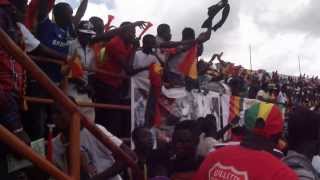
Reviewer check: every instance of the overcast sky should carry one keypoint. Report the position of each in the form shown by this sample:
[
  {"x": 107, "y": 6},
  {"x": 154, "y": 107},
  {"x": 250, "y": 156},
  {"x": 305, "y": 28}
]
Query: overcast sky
[{"x": 278, "y": 30}]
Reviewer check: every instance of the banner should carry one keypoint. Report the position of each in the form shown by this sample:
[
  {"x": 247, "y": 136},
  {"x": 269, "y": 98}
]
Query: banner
[{"x": 190, "y": 106}]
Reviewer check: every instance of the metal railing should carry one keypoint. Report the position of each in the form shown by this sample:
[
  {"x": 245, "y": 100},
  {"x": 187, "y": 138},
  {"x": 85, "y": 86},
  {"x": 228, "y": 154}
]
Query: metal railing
[{"x": 74, "y": 149}]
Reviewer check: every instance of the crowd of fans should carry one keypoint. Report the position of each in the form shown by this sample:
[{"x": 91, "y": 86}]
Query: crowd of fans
[{"x": 98, "y": 61}]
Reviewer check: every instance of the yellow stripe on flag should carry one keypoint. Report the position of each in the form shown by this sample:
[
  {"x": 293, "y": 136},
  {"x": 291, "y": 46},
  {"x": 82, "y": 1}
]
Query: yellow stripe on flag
[
  {"x": 264, "y": 110},
  {"x": 193, "y": 73}
]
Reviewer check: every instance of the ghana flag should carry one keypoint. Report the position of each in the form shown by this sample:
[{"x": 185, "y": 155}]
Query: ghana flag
[
  {"x": 188, "y": 66},
  {"x": 271, "y": 116}
]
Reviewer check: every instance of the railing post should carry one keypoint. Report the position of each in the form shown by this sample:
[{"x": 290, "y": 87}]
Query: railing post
[
  {"x": 74, "y": 147},
  {"x": 22, "y": 149}
]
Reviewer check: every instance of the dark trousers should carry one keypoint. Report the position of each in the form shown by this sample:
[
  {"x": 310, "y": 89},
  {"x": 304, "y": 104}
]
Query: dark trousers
[
  {"x": 110, "y": 119},
  {"x": 36, "y": 118}
]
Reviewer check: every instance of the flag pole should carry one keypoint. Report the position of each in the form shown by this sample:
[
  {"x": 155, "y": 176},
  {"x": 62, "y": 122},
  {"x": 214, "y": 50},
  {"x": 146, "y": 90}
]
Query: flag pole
[
  {"x": 250, "y": 57},
  {"x": 299, "y": 61}
]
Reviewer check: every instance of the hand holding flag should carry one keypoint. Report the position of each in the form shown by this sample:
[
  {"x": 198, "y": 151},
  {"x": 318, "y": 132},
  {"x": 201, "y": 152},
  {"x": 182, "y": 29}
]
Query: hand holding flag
[
  {"x": 146, "y": 28},
  {"x": 107, "y": 27}
]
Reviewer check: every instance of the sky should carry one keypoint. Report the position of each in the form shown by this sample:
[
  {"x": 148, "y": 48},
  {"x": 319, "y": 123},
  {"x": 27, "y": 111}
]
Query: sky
[{"x": 279, "y": 31}]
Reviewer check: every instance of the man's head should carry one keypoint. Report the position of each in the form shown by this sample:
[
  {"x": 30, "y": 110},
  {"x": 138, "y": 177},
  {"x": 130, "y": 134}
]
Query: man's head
[
  {"x": 164, "y": 32},
  {"x": 60, "y": 117},
  {"x": 264, "y": 119},
  {"x": 142, "y": 139},
  {"x": 149, "y": 41},
  {"x": 85, "y": 32},
  {"x": 185, "y": 139},
  {"x": 62, "y": 13},
  {"x": 128, "y": 33},
  {"x": 98, "y": 24},
  {"x": 19, "y": 9},
  {"x": 265, "y": 87},
  {"x": 208, "y": 125},
  {"x": 235, "y": 84},
  {"x": 188, "y": 34}
]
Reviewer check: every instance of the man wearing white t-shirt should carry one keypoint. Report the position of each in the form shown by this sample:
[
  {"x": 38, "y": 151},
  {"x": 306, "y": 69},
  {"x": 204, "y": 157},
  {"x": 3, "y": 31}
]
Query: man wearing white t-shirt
[
  {"x": 97, "y": 162},
  {"x": 144, "y": 58}
]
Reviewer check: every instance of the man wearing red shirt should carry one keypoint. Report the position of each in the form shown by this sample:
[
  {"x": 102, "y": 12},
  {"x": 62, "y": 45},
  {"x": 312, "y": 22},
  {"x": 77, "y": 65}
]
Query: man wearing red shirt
[
  {"x": 119, "y": 54},
  {"x": 253, "y": 159}
]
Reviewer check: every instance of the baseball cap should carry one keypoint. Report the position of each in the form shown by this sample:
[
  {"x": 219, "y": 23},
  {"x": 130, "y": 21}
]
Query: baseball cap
[
  {"x": 264, "y": 119},
  {"x": 86, "y": 27}
]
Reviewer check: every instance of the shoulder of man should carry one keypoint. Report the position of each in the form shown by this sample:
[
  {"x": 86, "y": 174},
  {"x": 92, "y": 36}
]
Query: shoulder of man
[{"x": 301, "y": 165}]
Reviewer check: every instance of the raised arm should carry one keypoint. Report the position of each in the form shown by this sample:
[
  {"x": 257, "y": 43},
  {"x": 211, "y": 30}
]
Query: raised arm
[
  {"x": 107, "y": 36},
  {"x": 80, "y": 12},
  {"x": 45, "y": 51},
  {"x": 43, "y": 9},
  {"x": 128, "y": 68},
  {"x": 203, "y": 37}
]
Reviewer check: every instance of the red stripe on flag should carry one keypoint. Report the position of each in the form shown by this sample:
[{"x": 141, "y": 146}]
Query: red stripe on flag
[
  {"x": 189, "y": 60},
  {"x": 31, "y": 19},
  {"x": 234, "y": 107}
]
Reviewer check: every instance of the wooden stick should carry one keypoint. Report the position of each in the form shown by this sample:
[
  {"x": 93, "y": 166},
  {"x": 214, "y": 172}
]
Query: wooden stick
[
  {"x": 22, "y": 149},
  {"x": 83, "y": 104},
  {"x": 61, "y": 63},
  {"x": 74, "y": 147}
]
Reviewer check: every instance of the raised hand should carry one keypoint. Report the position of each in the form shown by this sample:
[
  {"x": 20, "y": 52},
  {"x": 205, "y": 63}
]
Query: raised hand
[
  {"x": 203, "y": 37},
  {"x": 140, "y": 24}
]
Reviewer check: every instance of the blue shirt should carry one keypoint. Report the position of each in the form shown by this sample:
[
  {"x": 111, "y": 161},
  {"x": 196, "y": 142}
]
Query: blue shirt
[{"x": 56, "y": 38}]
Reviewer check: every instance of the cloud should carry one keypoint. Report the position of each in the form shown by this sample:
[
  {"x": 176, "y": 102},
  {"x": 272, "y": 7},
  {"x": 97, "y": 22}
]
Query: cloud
[
  {"x": 278, "y": 31},
  {"x": 109, "y": 4}
]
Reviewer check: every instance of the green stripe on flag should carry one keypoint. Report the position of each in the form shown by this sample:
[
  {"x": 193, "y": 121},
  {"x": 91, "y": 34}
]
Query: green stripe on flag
[{"x": 250, "y": 116}]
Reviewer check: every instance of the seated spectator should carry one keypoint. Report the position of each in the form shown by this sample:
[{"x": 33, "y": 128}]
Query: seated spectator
[
  {"x": 185, "y": 140},
  {"x": 208, "y": 135},
  {"x": 303, "y": 139},
  {"x": 151, "y": 162},
  {"x": 240, "y": 162},
  {"x": 97, "y": 162}
]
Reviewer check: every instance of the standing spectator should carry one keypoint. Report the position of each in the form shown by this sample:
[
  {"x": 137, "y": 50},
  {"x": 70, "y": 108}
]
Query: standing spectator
[
  {"x": 57, "y": 35},
  {"x": 144, "y": 58},
  {"x": 83, "y": 54},
  {"x": 11, "y": 78},
  {"x": 163, "y": 35},
  {"x": 98, "y": 25},
  {"x": 118, "y": 60}
]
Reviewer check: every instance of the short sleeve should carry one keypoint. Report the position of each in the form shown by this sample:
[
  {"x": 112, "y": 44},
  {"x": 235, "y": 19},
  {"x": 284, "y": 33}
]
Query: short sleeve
[
  {"x": 30, "y": 41},
  {"x": 114, "y": 139},
  {"x": 44, "y": 28},
  {"x": 72, "y": 48}
]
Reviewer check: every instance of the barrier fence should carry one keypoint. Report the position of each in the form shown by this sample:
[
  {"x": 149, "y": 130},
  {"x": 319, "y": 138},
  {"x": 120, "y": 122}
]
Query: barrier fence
[{"x": 74, "y": 149}]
